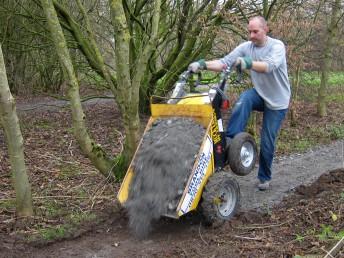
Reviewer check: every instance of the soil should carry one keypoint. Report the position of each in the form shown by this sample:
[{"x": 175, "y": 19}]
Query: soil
[
  {"x": 161, "y": 170},
  {"x": 303, "y": 212}
]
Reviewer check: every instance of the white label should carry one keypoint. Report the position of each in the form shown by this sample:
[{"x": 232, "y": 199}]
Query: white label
[{"x": 198, "y": 176}]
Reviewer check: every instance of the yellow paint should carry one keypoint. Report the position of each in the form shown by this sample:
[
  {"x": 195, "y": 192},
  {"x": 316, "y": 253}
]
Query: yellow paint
[
  {"x": 124, "y": 190},
  {"x": 200, "y": 112},
  {"x": 194, "y": 99},
  {"x": 215, "y": 133}
]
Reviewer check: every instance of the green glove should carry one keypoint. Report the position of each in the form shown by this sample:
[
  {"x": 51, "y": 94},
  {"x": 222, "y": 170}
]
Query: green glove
[
  {"x": 243, "y": 63},
  {"x": 203, "y": 65},
  {"x": 196, "y": 66}
]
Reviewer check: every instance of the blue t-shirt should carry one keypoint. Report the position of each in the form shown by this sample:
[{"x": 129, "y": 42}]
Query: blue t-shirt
[{"x": 273, "y": 86}]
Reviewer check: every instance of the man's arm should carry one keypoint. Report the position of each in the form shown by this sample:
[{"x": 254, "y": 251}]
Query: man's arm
[
  {"x": 260, "y": 66},
  {"x": 275, "y": 58},
  {"x": 215, "y": 65}
]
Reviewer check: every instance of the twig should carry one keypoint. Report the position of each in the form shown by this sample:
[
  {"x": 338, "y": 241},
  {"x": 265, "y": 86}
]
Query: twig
[
  {"x": 334, "y": 251},
  {"x": 69, "y": 196},
  {"x": 50, "y": 156},
  {"x": 199, "y": 232},
  {"x": 249, "y": 238},
  {"x": 8, "y": 220},
  {"x": 60, "y": 197},
  {"x": 310, "y": 217},
  {"x": 185, "y": 253},
  {"x": 80, "y": 185},
  {"x": 95, "y": 196},
  {"x": 69, "y": 148},
  {"x": 328, "y": 255},
  {"x": 264, "y": 226},
  {"x": 105, "y": 181},
  {"x": 32, "y": 217},
  {"x": 45, "y": 170},
  {"x": 42, "y": 105}
]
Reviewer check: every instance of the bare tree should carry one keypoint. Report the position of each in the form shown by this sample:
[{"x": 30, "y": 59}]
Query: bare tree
[
  {"x": 10, "y": 123},
  {"x": 30, "y": 61},
  {"x": 93, "y": 151},
  {"x": 326, "y": 55}
]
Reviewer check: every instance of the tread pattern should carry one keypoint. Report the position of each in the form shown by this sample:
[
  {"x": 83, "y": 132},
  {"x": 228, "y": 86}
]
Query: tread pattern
[
  {"x": 234, "y": 154},
  {"x": 209, "y": 207}
]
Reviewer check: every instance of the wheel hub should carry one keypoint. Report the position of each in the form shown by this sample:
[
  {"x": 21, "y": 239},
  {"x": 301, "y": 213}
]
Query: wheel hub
[
  {"x": 227, "y": 201},
  {"x": 247, "y": 154}
]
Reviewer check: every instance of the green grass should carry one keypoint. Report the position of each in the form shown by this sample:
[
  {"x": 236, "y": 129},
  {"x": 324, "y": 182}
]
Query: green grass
[
  {"x": 327, "y": 232},
  {"x": 336, "y": 97},
  {"x": 299, "y": 238},
  {"x": 313, "y": 79},
  {"x": 310, "y": 83},
  {"x": 77, "y": 218},
  {"x": 69, "y": 224},
  {"x": 336, "y": 132},
  {"x": 289, "y": 146},
  {"x": 300, "y": 141},
  {"x": 7, "y": 204},
  {"x": 44, "y": 124},
  {"x": 51, "y": 209},
  {"x": 53, "y": 232}
]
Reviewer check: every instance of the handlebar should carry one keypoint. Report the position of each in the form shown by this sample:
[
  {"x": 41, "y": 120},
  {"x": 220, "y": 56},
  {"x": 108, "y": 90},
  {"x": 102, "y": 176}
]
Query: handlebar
[{"x": 179, "y": 91}]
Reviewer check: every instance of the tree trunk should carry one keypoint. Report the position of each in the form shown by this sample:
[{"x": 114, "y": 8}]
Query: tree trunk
[
  {"x": 322, "y": 105},
  {"x": 10, "y": 122},
  {"x": 327, "y": 58},
  {"x": 296, "y": 86},
  {"x": 92, "y": 150},
  {"x": 129, "y": 83}
]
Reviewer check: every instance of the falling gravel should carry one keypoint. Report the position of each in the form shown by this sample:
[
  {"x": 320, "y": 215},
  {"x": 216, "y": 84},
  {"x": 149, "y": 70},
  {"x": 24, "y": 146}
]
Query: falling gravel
[{"x": 161, "y": 169}]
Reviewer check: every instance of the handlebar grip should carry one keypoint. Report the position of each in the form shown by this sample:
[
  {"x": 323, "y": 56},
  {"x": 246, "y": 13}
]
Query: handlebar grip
[
  {"x": 239, "y": 74},
  {"x": 199, "y": 78}
]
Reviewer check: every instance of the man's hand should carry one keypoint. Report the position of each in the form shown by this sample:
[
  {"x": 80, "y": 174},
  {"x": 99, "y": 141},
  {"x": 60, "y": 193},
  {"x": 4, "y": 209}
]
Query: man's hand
[
  {"x": 243, "y": 63},
  {"x": 195, "y": 67}
]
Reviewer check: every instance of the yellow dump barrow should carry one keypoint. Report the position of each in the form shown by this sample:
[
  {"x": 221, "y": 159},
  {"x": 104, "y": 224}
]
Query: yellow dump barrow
[{"x": 204, "y": 164}]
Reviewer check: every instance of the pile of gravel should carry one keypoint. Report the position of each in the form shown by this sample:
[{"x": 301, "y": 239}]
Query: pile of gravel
[{"x": 161, "y": 169}]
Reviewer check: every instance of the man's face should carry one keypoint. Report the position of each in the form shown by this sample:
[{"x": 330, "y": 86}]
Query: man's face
[{"x": 257, "y": 32}]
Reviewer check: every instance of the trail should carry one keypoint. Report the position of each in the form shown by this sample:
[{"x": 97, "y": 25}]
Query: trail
[{"x": 290, "y": 172}]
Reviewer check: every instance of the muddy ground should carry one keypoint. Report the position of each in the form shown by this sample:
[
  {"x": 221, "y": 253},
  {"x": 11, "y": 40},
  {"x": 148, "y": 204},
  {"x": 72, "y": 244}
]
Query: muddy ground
[{"x": 301, "y": 214}]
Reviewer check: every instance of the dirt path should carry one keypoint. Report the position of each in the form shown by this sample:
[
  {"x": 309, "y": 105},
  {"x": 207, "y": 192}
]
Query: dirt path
[
  {"x": 49, "y": 104},
  {"x": 170, "y": 236},
  {"x": 290, "y": 172}
]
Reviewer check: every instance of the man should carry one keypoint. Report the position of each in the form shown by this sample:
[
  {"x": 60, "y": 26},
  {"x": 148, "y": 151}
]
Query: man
[{"x": 265, "y": 57}]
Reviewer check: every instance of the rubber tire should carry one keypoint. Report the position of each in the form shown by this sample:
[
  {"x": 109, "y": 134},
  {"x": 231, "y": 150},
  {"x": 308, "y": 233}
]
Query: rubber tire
[
  {"x": 234, "y": 154},
  {"x": 212, "y": 190}
]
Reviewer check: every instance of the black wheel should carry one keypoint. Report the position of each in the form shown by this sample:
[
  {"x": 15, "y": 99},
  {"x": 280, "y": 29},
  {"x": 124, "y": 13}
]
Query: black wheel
[
  {"x": 242, "y": 154},
  {"x": 220, "y": 198}
]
